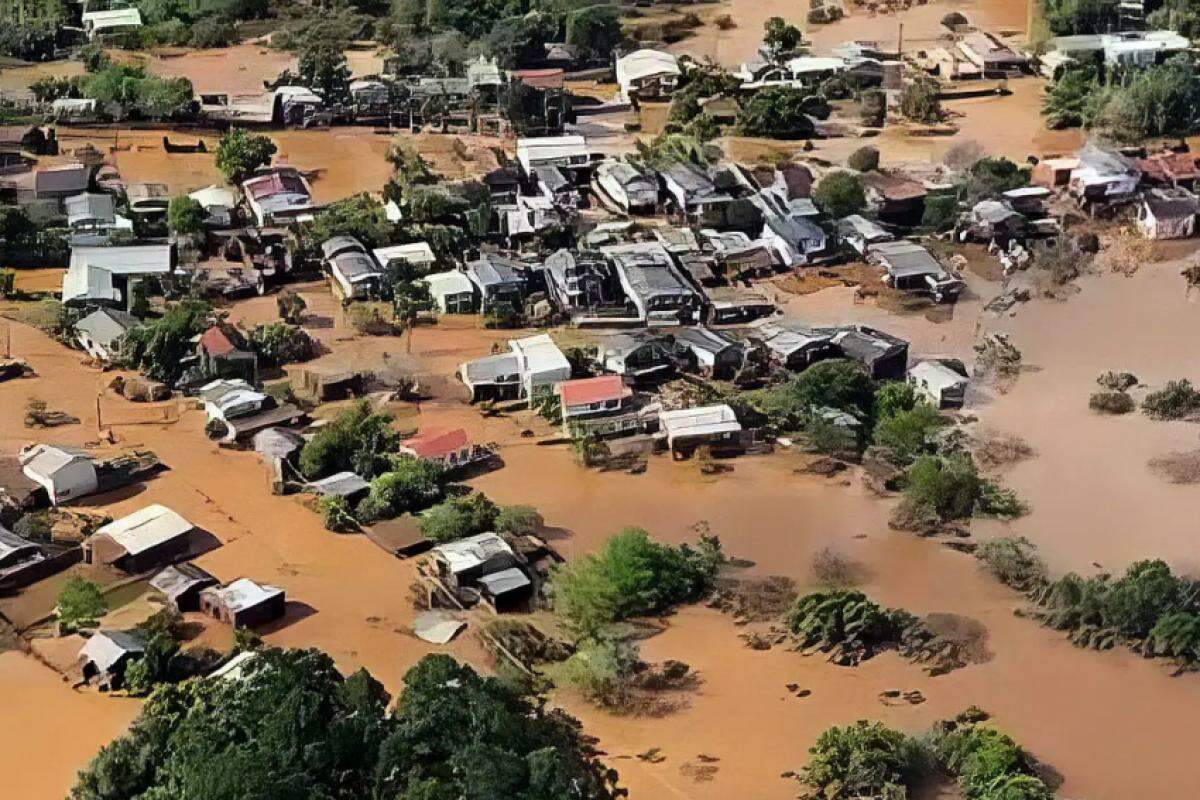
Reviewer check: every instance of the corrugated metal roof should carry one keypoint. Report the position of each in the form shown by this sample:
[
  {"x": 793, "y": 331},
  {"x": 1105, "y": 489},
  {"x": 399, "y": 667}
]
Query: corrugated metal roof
[{"x": 146, "y": 529}]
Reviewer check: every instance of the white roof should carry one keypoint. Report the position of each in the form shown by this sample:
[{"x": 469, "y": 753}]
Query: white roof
[
  {"x": 1027, "y": 191},
  {"x": 539, "y": 354},
  {"x": 244, "y": 593},
  {"x": 234, "y": 669},
  {"x": 106, "y": 648},
  {"x": 936, "y": 374},
  {"x": 807, "y": 64},
  {"x": 88, "y": 283},
  {"x": 550, "y": 148},
  {"x": 472, "y": 551},
  {"x": 701, "y": 421},
  {"x": 452, "y": 282},
  {"x": 414, "y": 253},
  {"x": 145, "y": 259},
  {"x": 645, "y": 64},
  {"x": 46, "y": 459},
  {"x": 11, "y": 543},
  {"x": 115, "y": 18},
  {"x": 214, "y": 197},
  {"x": 147, "y": 528}
]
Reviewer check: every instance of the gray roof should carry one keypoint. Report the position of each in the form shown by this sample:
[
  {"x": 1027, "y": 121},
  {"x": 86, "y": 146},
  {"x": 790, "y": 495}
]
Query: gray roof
[
  {"x": 338, "y": 244},
  {"x": 179, "y": 578},
  {"x": 278, "y": 442},
  {"x": 489, "y": 368},
  {"x": 60, "y": 180},
  {"x": 504, "y": 581},
  {"x": 904, "y": 259},
  {"x": 105, "y": 326},
  {"x": 867, "y": 344},
  {"x": 494, "y": 270},
  {"x": 691, "y": 179},
  {"x": 11, "y": 544},
  {"x": 343, "y": 484},
  {"x": 106, "y": 648},
  {"x": 552, "y": 178},
  {"x": 796, "y": 230},
  {"x": 701, "y": 338},
  {"x": 88, "y": 207}
]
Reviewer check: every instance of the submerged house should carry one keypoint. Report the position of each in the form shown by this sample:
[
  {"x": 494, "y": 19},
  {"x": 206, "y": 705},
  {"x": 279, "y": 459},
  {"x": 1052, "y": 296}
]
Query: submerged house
[
  {"x": 885, "y": 357},
  {"x": 450, "y": 450},
  {"x": 647, "y": 74},
  {"x": 709, "y": 353},
  {"x": 568, "y": 153},
  {"x": 911, "y": 267},
  {"x": 107, "y": 654},
  {"x": 243, "y": 603},
  {"x": 941, "y": 382},
  {"x": 894, "y": 197},
  {"x": 453, "y": 292},
  {"x": 352, "y": 270},
  {"x": 224, "y": 353},
  {"x": 532, "y": 364},
  {"x": 577, "y": 280},
  {"x": 181, "y": 585},
  {"x": 64, "y": 473},
  {"x": 278, "y": 197},
  {"x": 652, "y": 284},
  {"x": 626, "y": 187},
  {"x": 637, "y": 356},
  {"x": 1167, "y": 214},
  {"x": 990, "y": 55},
  {"x": 601, "y": 406},
  {"x": 153, "y": 535},
  {"x": 861, "y": 233},
  {"x": 499, "y": 281},
  {"x": 689, "y": 428},
  {"x": 692, "y": 192},
  {"x": 115, "y": 21},
  {"x": 1103, "y": 176},
  {"x": 60, "y": 182},
  {"x": 487, "y": 564},
  {"x": 102, "y": 332},
  {"x": 791, "y": 344},
  {"x": 795, "y": 241},
  {"x": 94, "y": 213}
]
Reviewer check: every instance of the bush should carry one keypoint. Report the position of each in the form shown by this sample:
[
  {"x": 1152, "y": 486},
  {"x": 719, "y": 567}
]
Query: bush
[
  {"x": 278, "y": 343},
  {"x": 335, "y": 512},
  {"x": 864, "y": 159},
  {"x": 866, "y": 759},
  {"x": 458, "y": 518},
  {"x": 240, "y": 153},
  {"x": 949, "y": 486},
  {"x": 600, "y": 670},
  {"x": 919, "y": 100},
  {"x": 873, "y": 108},
  {"x": 158, "y": 347},
  {"x": 828, "y": 438},
  {"x": 186, "y": 216},
  {"x": 213, "y": 32},
  {"x": 1111, "y": 403},
  {"x": 941, "y": 212},
  {"x": 358, "y": 440},
  {"x": 908, "y": 433},
  {"x": 845, "y": 619},
  {"x": 777, "y": 112},
  {"x": 80, "y": 602},
  {"x": 1013, "y": 560},
  {"x": 1177, "y": 400},
  {"x": 409, "y": 485},
  {"x": 630, "y": 576},
  {"x": 989, "y": 765},
  {"x": 840, "y": 194},
  {"x": 519, "y": 520}
]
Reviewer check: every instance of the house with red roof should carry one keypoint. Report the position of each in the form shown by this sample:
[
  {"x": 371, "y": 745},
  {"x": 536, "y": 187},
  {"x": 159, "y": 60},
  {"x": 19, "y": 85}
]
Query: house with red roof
[
  {"x": 223, "y": 353},
  {"x": 600, "y": 406},
  {"x": 451, "y": 449}
]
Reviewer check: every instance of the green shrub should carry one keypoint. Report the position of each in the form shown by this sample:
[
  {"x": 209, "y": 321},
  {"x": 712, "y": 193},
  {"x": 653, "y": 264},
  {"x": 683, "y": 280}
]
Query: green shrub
[
  {"x": 357, "y": 440},
  {"x": 80, "y": 602},
  {"x": 519, "y": 520},
  {"x": 410, "y": 484},
  {"x": 949, "y": 486},
  {"x": 1177, "y": 400},
  {"x": 458, "y": 518},
  {"x": 907, "y": 433},
  {"x": 1111, "y": 403},
  {"x": 866, "y": 759},
  {"x": 1013, "y": 561},
  {"x": 600, "y": 670},
  {"x": 840, "y": 194},
  {"x": 845, "y": 618},
  {"x": 630, "y": 576},
  {"x": 278, "y": 343},
  {"x": 335, "y": 512},
  {"x": 864, "y": 159}
]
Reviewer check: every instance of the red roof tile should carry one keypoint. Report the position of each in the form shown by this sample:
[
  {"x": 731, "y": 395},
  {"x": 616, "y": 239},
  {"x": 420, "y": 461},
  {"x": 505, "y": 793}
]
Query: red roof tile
[
  {"x": 437, "y": 445},
  {"x": 216, "y": 342},
  {"x": 541, "y": 78},
  {"x": 592, "y": 390}
]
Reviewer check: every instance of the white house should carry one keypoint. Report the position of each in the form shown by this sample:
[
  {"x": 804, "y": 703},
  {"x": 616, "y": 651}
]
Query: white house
[
  {"x": 65, "y": 474},
  {"x": 630, "y": 189},
  {"x": 117, "y": 20},
  {"x": 101, "y": 332},
  {"x": 569, "y": 152},
  {"x": 417, "y": 254},
  {"x": 151, "y": 536},
  {"x": 218, "y": 202},
  {"x": 453, "y": 291},
  {"x": 647, "y": 74},
  {"x": 943, "y": 384},
  {"x": 696, "y": 425},
  {"x": 532, "y": 364},
  {"x": 90, "y": 276}
]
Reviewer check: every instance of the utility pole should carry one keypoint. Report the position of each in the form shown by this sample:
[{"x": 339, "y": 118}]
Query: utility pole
[{"x": 900, "y": 42}]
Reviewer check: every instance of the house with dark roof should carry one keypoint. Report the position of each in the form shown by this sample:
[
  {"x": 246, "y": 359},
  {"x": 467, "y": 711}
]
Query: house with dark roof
[
  {"x": 653, "y": 285},
  {"x": 181, "y": 585},
  {"x": 499, "y": 280},
  {"x": 795, "y": 241},
  {"x": 352, "y": 270},
  {"x": 708, "y": 353},
  {"x": 1167, "y": 213},
  {"x": 59, "y": 183},
  {"x": 638, "y": 356},
  {"x": 884, "y": 356},
  {"x": 894, "y": 197}
]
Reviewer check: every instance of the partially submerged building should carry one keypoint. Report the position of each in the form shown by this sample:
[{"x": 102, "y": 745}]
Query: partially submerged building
[
  {"x": 709, "y": 353},
  {"x": 910, "y": 267},
  {"x": 883, "y": 356},
  {"x": 106, "y": 655},
  {"x": 451, "y": 450},
  {"x": 600, "y": 406},
  {"x": 499, "y": 281},
  {"x": 181, "y": 584},
  {"x": 487, "y": 564},
  {"x": 278, "y": 197},
  {"x": 111, "y": 22},
  {"x": 688, "y": 428},
  {"x": 65, "y": 474},
  {"x": 637, "y": 355},
  {"x": 453, "y": 292},
  {"x": 151, "y": 536},
  {"x": 647, "y": 74},
  {"x": 243, "y": 603},
  {"x": 627, "y": 188},
  {"x": 652, "y": 284},
  {"x": 101, "y": 275},
  {"x": 941, "y": 382},
  {"x": 102, "y": 332},
  {"x": 352, "y": 270},
  {"x": 1167, "y": 213},
  {"x": 533, "y": 364}
]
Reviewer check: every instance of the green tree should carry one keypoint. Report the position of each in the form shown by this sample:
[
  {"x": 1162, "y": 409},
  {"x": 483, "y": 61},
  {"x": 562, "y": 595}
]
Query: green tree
[
  {"x": 595, "y": 29},
  {"x": 861, "y": 760},
  {"x": 919, "y": 100},
  {"x": 410, "y": 484},
  {"x": 1072, "y": 17},
  {"x": 459, "y": 517},
  {"x": 778, "y": 112},
  {"x": 278, "y": 343},
  {"x": 519, "y": 520},
  {"x": 892, "y": 397},
  {"x": 840, "y": 194},
  {"x": 186, "y": 216},
  {"x": 1067, "y": 101},
  {"x": 781, "y": 37},
  {"x": 864, "y": 159},
  {"x": 907, "y": 434},
  {"x": 240, "y": 153},
  {"x": 323, "y": 69},
  {"x": 159, "y": 347},
  {"x": 948, "y": 486},
  {"x": 358, "y": 440},
  {"x": 80, "y": 602},
  {"x": 359, "y": 216}
]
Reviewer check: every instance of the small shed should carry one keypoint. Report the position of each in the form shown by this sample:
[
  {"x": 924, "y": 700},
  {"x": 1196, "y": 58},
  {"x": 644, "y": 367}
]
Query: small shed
[
  {"x": 153, "y": 535},
  {"x": 341, "y": 484},
  {"x": 465, "y": 561},
  {"x": 66, "y": 474},
  {"x": 106, "y": 654},
  {"x": 101, "y": 332},
  {"x": 506, "y": 590},
  {"x": 181, "y": 585},
  {"x": 244, "y": 603},
  {"x": 453, "y": 292},
  {"x": 710, "y": 353},
  {"x": 941, "y": 382}
]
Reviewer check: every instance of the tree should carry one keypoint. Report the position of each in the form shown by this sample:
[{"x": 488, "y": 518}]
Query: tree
[
  {"x": 893, "y": 397},
  {"x": 907, "y": 433},
  {"x": 213, "y": 31},
  {"x": 458, "y": 518},
  {"x": 864, "y": 159},
  {"x": 291, "y": 307},
  {"x": 80, "y": 602},
  {"x": 595, "y": 29},
  {"x": 1067, "y": 101},
  {"x": 919, "y": 100},
  {"x": 840, "y": 194},
  {"x": 861, "y": 760},
  {"x": 240, "y": 153},
  {"x": 629, "y": 576},
  {"x": 158, "y": 348},
  {"x": 359, "y": 216},
  {"x": 409, "y": 485},
  {"x": 519, "y": 520},
  {"x": 358, "y": 440},
  {"x": 323, "y": 69},
  {"x": 778, "y": 112},
  {"x": 185, "y": 216},
  {"x": 948, "y": 486},
  {"x": 781, "y": 38},
  {"x": 1071, "y": 17},
  {"x": 278, "y": 343},
  {"x": 1159, "y": 100}
]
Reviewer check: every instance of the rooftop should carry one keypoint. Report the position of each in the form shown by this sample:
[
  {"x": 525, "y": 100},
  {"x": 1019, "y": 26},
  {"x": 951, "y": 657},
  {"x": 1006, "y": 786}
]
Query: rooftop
[
  {"x": 437, "y": 445},
  {"x": 244, "y": 593},
  {"x": 146, "y": 529},
  {"x": 593, "y": 390}
]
